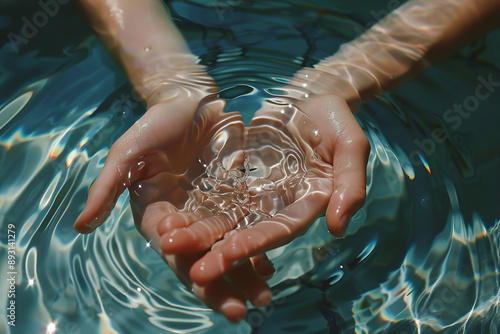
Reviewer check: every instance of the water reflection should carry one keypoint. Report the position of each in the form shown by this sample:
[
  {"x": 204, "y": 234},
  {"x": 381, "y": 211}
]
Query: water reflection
[
  {"x": 421, "y": 255},
  {"x": 270, "y": 170}
]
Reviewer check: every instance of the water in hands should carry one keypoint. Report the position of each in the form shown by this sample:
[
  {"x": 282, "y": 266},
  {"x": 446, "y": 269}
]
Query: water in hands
[{"x": 254, "y": 191}]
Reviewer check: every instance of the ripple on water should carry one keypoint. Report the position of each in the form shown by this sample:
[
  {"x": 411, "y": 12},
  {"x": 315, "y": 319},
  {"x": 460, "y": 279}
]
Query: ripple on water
[
  {"x": 403, "y": 265},
  {"x": 259, "y": 177}
]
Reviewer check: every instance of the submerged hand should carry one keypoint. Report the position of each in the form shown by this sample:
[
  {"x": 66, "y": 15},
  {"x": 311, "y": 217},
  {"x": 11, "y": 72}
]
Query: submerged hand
[
  {"x": 346, "y": 148},
  {"x": 158, "y": 160},
  {"x": 299, "y": 165}
]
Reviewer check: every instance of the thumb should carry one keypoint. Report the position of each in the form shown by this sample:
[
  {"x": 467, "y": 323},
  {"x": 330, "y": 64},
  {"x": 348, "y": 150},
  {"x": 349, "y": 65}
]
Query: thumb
[
  {"x": 349, "y": 162},
  {"x": 124, "y": 165}
]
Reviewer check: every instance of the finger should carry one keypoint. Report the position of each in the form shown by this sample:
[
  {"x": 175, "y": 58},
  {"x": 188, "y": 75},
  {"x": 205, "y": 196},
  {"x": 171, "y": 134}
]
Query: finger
[
  {"x": 148, "y": 223},
  {"x": 349, "y": 163},
  {"x": 263, "y": 266},
  {"x": 176, "y": 220},
  {"x": 247, "y": 280},
  {"x": 201, "y": 235},
  {"x": 161, "y": 218},
  {"x": 220, "y": 295},
  {"x": 119, "y": 172},
  {"x": 223, "y": 298},
  {"x": 286, "y": 225},
  {"x": 260, "y": 262}
]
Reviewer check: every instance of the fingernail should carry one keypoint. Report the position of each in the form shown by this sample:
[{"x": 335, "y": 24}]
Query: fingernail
[
  {"x": 90, "y": 226},
  {"x": 93, "y": 224},
  {"x": 233, "y": 310},
  {"x": 263, "y": 299}
]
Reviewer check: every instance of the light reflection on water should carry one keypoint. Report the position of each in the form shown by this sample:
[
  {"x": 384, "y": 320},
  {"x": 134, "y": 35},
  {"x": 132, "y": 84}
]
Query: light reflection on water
[{"x": 421, "y": 256}]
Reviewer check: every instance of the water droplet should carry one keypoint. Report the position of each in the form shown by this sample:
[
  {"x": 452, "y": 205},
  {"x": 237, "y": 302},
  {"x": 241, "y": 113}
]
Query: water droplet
[
  {"x": 140, "y": 165},
  {"x": 170, "y": 240},
  {"x": 139, "y": 289},
  {"x": 304, "y": 85},
  {"x": 51, "y": 328},
  {"x": 316, "y": 133},
  {"x": 306, "y": 96},
  {"x": 147, "y": 49}
]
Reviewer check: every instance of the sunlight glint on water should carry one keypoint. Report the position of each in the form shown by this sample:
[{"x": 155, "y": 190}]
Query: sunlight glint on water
[{"x": 422, "y": 256}]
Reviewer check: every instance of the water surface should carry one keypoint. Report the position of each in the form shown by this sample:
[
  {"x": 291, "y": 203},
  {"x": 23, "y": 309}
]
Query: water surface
[{"x": 422, "y": 256}]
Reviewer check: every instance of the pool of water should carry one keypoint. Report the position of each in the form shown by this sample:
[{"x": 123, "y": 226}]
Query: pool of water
[{"x": 422, "y": 256}]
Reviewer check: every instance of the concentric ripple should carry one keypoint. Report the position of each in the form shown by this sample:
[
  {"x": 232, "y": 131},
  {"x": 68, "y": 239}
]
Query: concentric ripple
[
  {"x": 421, "y": 256},
  {"x": 259, "y": 177}
]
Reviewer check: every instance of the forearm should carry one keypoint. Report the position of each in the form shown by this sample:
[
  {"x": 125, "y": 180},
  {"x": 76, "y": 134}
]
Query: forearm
[
  {"x": 397, "y": 48},
  {"x": 146, "y": 44}
]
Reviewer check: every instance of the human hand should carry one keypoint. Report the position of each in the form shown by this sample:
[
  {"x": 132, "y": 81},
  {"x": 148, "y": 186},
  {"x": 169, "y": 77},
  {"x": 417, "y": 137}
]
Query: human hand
[
  {"x": 157, "y": 160},
  {"x": 298, "y": 165}
]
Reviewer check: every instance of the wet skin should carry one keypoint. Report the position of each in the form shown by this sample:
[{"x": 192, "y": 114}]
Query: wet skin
[{"x": 220, "y": 253}]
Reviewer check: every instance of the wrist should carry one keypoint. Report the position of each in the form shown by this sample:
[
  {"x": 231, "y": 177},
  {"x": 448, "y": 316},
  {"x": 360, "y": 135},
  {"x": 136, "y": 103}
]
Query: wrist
[
  {"x": 382, "y": 58},
  {"x": 172, "y": 77},
  {"x": 347, "y": 81}
]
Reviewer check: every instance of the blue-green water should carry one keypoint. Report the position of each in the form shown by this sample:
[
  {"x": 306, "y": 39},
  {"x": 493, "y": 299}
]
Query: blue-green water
[{"x": 422, "y": 256}]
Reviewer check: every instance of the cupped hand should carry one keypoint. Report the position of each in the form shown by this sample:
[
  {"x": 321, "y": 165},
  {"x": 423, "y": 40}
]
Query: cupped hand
[
  {"x": 298, "y": 164},
  {"x": 159, "y": 160}
]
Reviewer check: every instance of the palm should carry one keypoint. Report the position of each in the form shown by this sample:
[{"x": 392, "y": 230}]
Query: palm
[{"x": 284, "y": 178}]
